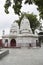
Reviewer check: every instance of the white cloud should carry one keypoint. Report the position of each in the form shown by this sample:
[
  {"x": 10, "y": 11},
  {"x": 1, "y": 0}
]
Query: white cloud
[{"x": 30, "y": 8}]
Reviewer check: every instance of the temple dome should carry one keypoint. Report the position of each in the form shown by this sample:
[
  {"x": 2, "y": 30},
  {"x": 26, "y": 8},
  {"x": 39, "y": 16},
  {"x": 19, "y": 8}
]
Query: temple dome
[
  {"x": 14, "y": 28},
  {"x": 25, "y": 26}
]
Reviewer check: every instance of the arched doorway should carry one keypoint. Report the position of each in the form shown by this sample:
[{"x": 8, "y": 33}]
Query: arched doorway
[
  {"x": 6, "y": 43},
  {"x": 13, "y": 43}
]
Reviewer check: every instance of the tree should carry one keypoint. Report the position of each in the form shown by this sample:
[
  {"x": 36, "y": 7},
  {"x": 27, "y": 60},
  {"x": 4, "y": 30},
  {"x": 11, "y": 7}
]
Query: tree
[
  {"x": 39, "y": 3},
  {"x": 34, "y": 23},
  {"x": 18, "y": 4}
]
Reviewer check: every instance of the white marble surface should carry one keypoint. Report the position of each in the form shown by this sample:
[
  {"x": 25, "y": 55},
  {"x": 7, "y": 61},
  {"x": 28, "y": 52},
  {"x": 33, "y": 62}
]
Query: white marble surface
[{"x": 25, "y": 26}]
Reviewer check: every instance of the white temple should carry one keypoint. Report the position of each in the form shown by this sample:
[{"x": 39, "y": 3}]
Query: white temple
[{"x": 20, "y": 37}]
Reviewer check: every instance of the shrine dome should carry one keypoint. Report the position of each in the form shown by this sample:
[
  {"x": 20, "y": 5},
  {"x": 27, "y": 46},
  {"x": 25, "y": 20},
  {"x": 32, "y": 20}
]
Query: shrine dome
[
  {"x": 14, "y": 28},
  {"x": 25, "y": 26}
]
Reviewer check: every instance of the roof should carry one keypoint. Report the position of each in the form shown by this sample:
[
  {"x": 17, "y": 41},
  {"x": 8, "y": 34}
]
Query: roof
[{"x": 40, "y": 33}]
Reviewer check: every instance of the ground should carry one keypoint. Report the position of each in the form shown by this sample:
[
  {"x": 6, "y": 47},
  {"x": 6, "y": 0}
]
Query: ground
[{"x": 23, "y": 56}]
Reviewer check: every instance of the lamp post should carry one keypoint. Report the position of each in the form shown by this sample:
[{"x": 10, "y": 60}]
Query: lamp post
[{"x": 3, "y": 32}]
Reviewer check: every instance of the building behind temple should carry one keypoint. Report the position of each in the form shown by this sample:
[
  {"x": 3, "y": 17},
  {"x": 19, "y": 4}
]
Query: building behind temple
[{"x": 20, "y": 37}]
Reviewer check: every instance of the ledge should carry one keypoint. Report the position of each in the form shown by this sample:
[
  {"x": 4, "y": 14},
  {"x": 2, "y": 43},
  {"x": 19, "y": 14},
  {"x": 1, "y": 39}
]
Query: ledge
[{"x": 3, "y": 53}]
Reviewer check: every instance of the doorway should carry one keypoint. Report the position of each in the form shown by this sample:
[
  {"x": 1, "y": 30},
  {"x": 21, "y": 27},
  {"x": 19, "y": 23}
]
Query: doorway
[{"x": 13, "y": 43}]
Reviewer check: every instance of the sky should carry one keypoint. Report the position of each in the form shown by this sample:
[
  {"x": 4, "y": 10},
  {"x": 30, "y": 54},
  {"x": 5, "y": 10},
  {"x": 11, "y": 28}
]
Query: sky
[{"x": 7, "y": 19}]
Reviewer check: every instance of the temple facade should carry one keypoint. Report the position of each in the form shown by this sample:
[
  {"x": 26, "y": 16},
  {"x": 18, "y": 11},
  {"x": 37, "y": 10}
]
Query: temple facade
[{"x": 20, "y": 37}]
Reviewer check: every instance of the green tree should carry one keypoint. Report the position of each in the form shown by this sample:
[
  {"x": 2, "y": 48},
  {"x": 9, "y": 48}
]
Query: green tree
[
  {"x": 39, "y": 3},
  {"x": 34, "y": 23},
  {"x": 18, "y": 4}
]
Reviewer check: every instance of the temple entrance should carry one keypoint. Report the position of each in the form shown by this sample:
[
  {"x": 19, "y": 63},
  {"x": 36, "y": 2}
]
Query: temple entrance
[{"x": 13, "y": 43}]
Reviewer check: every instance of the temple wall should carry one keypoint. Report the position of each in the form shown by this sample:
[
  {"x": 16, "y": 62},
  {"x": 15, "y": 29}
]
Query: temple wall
[
  {"x": 25, "y": 41},
  {"x": 21, "y": 41}
]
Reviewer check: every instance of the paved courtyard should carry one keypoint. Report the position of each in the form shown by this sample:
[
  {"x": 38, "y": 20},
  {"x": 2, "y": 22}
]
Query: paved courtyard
[{"x": 23, "y": 56}]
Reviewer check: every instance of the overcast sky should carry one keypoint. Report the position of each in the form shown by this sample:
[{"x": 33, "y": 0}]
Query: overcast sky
[{"x": 7, "y": 19}]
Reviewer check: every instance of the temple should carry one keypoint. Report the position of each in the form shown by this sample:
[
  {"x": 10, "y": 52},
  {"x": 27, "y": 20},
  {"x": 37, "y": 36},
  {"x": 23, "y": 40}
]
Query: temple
[{"x": 20, "y": 37}]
